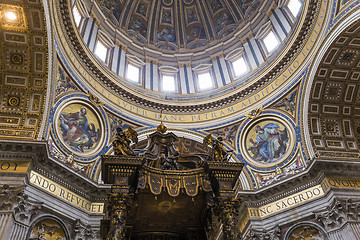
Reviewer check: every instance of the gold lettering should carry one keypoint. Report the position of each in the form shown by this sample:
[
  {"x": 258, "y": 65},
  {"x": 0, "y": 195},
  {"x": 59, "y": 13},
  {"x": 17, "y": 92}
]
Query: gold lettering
[
  {"x": 288, "y": 202},
  {"x": 57, "y": 190},
  {"x": 14, "y": 166}
]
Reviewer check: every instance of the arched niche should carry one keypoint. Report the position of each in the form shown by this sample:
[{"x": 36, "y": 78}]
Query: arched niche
[
  {"x": 306, "y": 231},
  {"x": 48, "y": 227}
]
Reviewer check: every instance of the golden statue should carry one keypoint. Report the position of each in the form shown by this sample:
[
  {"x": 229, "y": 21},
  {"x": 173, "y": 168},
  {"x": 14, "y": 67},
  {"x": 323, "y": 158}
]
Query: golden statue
[
  {"x": 121, "y": 144},
  {"x": 218, "y": 151}
]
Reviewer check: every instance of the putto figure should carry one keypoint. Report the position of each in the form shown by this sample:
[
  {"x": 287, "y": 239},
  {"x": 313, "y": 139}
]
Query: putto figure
[
  {"x": 121, "y": 144},
  {"x": 270, "y": 144}
]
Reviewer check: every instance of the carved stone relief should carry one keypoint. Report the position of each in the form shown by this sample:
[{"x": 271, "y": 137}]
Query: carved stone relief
[
  {"x": 8, "y": 197},
  {"x": 274, "y": 234},
  {"x": 84, "y": 232},
  {"x": 339, "y": 213},
  {"x": 25, "y": 210}
]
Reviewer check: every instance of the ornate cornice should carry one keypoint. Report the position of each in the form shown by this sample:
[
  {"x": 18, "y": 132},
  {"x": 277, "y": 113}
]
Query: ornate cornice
[
  {"x": 317, "y": 171},
  {"x": 37, "y": 153}
]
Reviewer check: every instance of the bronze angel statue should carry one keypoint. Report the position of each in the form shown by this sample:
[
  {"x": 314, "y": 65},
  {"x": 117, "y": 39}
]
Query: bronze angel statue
[
  {"x": 218, "y": 151},
  {"x": 121, "y": 144}
]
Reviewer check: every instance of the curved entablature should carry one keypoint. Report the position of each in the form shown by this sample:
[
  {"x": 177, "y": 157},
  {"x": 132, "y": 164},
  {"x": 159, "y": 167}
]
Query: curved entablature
[{"x": 260, "y": 35}]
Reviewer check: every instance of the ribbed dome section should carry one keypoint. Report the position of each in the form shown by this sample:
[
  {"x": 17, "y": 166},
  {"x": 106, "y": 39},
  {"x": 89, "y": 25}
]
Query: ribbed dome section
[{"x": 177, "y": 24}]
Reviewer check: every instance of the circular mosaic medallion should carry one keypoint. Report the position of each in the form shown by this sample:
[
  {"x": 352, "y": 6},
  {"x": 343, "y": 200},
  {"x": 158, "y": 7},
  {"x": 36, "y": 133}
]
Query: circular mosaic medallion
[
  {"x": 79, "y": 127},
  {"x": 267, "y": 141}
]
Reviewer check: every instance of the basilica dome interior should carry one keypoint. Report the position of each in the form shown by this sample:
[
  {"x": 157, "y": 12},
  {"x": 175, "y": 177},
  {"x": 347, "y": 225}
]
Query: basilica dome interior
[{"x": 180, "y": 119}]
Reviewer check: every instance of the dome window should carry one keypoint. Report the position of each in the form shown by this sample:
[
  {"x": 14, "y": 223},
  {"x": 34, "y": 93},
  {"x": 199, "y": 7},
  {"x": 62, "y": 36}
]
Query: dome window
[
  {"x": 101, "y": 51},
  {"x": 239, "y": 66},
  {"x": 168, "y": 83},
  {"x": 205, "y": 81},
  {"x": 168, "y": 78},
  {"x": 237, "y": 62},
  {"x": 270, "y": 41},
  {"x": 77, "y": 16},
  {"x": 133, "y": 73},
  {"x": 134, "y": 69},
  {"x": 294, "y": 7}
]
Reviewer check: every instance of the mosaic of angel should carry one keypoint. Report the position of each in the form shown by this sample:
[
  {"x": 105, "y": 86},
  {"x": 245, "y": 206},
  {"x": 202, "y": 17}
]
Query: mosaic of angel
[
  {"x": 115, "y": 7},
  {"x": 222, "y": 21},
  {"x": 191, "y": 16},
  {"x": 228, "y": 133},
  {"x": 139, "y": 26},
  {"x": 288, "y": 103},
  {"x": 64, "y": 82},
  {"x": 77, "y": 132},
  {"x": 270, "y": 144}
]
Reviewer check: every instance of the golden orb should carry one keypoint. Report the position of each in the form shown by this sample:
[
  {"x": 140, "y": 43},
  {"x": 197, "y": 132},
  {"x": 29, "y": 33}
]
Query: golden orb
[{"x": 162, "y": 128}]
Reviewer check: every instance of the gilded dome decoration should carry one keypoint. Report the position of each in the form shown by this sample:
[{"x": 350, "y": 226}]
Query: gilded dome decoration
[
  {"x": 174, "y": 50},
  {"x": 187, "y": 24}
]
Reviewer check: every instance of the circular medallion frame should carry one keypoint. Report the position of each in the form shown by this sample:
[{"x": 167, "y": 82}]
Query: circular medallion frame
[
  {"x": 83, "y": 131},
  {"x": 267, "y": 141}
]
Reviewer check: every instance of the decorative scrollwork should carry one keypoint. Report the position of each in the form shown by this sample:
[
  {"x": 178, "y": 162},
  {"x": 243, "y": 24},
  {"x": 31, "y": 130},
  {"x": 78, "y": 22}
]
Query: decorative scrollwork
[
  {"x": 228, "y": 211},
  {"x": 118, "y": 211},
  {"x": 338, "y": 213}
]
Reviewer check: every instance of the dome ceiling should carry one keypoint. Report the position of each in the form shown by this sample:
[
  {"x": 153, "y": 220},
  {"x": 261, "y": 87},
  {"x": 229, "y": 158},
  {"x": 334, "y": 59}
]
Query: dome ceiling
[{"x": 184, "y": 24}]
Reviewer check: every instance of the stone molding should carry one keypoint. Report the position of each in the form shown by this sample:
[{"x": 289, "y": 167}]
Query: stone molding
[
  {"x": 273, "y": 234},
  {"x": 41, "y": 162},
  {"x": 8, "y": 197},
  {"x": 82, "y": 231},
  {"x": 339, "y": 213},
  {"x": 26, "y": 210}
]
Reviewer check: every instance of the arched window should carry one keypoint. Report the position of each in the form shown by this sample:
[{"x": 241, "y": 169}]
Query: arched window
[
  {"x": 238, "y": 63},
  {"x": 205, "y": 81},
  {"x": 133, "y": 73},
  {"x": 168, "y": 83},
  {"x": 239, "y": 66},
  {"x": 268, "y": 38},
  {"x": 204, "y": 78}
]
